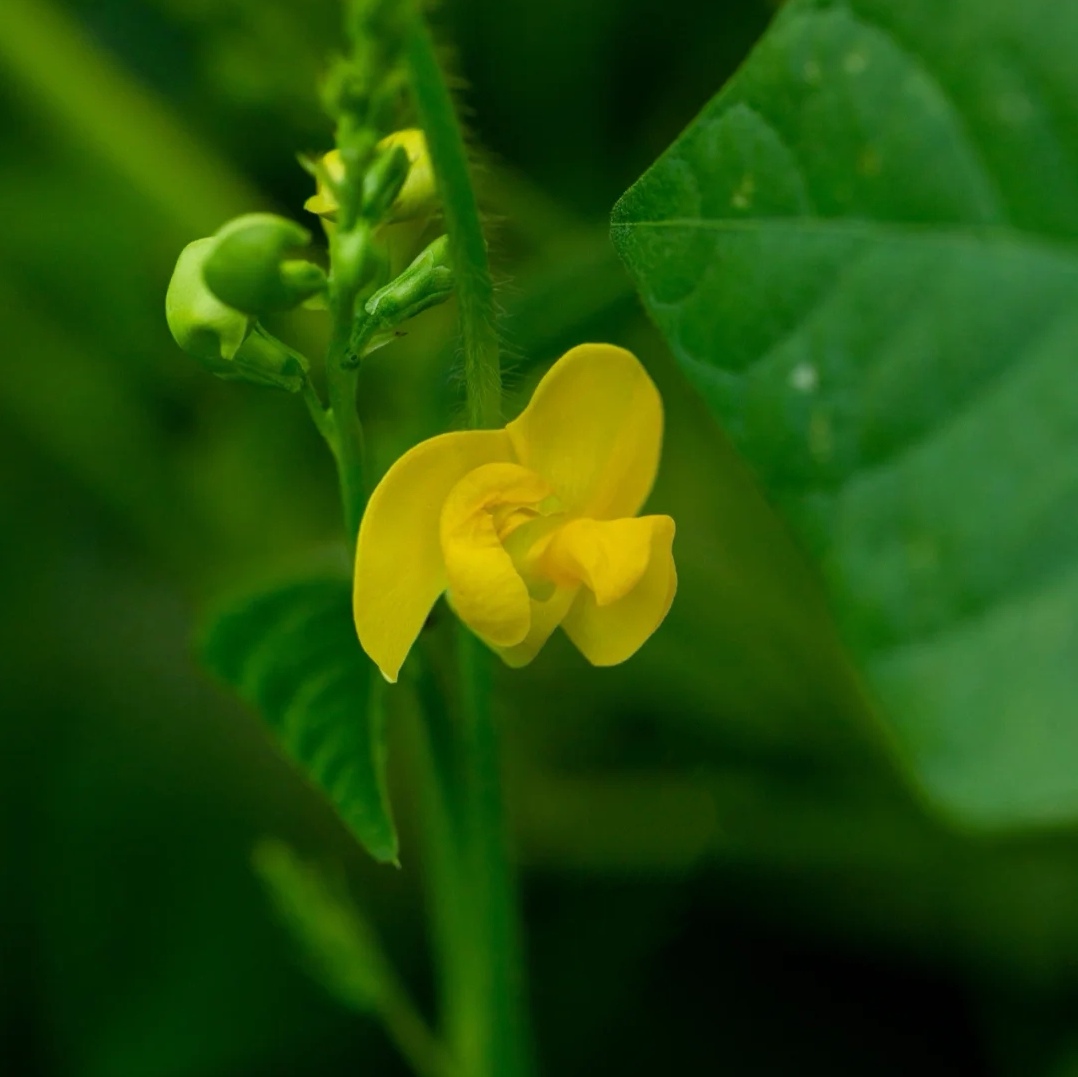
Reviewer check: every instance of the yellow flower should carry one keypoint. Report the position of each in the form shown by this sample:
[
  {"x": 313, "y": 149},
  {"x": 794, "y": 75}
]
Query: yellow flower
[
  {"x": 414, "y": 197},
  {"x": 527, "y": 527}
]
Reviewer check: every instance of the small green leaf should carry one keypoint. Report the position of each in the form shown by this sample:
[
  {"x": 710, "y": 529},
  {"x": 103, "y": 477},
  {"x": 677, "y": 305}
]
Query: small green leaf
[
  {"x": 863, "y": 254},
  {"x": 339, "y": 948},
  {"x": 292, "y": 654}
]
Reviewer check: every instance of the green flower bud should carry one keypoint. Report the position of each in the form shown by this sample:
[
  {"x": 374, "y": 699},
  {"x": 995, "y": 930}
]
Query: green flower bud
[
  {"x": 247, "y": 268},
  {"x": 383, "y": 182},
  {"x": 425, "y": 283},
  {"x": 225, "y": 341}
]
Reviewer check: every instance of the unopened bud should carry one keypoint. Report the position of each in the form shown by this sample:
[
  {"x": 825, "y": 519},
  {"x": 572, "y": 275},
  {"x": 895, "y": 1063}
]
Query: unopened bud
[
  {"x": 224, "y": 340},
  {"x": 425, "y": 283},
  {"x": 247, "y": 267}
]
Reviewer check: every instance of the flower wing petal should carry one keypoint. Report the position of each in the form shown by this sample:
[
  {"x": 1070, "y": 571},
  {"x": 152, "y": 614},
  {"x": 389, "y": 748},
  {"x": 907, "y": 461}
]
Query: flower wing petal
[
  {"x": 593, "y": 430},
  {"x": 609, "y": 634},
  {"x": 400, "y": 571}
]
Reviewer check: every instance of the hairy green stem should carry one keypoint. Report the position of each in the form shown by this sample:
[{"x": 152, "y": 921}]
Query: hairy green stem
[
  {"x": 467, "y": 246},
  {"x": 475, "y": 904}
]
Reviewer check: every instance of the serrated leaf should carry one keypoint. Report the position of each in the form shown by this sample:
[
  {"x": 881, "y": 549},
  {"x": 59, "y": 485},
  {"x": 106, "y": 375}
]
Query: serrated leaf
[
  {"x": 863, "y": 254},
  {"x": 292, "y": 654}
]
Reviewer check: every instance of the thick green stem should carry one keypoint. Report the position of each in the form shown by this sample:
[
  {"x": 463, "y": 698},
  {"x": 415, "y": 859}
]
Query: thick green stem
[
  {"x": 467, "y": 246},
  {"x": 473, "y": 895},
  {"x": 499, "y": 982}
]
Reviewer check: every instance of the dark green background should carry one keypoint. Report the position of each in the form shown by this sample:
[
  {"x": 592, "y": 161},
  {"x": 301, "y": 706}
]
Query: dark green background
[{"x": 721, "y": 876}]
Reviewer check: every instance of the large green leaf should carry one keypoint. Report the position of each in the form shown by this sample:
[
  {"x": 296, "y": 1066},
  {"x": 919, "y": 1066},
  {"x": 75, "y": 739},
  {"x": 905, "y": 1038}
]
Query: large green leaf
[
  {"x": 863, "y": 253},
  {"x": 292, "y": 654}
]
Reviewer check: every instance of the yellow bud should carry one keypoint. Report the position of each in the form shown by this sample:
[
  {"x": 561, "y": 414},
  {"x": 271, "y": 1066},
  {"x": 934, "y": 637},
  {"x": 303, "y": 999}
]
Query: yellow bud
[
  {"x": 419, "y": 192},
  {"x": 416, "y": 194}
]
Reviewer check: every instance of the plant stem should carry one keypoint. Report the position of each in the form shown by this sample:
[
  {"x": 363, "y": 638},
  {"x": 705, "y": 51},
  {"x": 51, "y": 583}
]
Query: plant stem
[
  {"x": 467, "y": 246},
  {"x": 472, "y": 893},
  {"x": 475, "y": 908},
  {"x": 418, "y": 1045},
  {"x": 321, "y": 418},
  {"x": 499, "y": 977},
  {"x": 347, "y": 442}
]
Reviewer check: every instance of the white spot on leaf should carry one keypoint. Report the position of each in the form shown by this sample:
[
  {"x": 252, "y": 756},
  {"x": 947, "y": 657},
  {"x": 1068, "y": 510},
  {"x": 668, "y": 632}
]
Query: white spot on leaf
[
  {"x": 742, "y": 197},
  {"x": 805, "y": 378}
]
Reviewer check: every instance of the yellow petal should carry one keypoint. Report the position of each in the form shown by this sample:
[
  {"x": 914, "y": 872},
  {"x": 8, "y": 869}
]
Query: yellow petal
[
  {"x": 607, "y": 635},
  {"x": 545, "y": 617},
  {"x": 399, "y": 568},
  {"x": 609, "y": 556},
  {"x": 485, "y": 589},
  {"x": 323, "y": 202},
  {"x": 593, "y": 430}
]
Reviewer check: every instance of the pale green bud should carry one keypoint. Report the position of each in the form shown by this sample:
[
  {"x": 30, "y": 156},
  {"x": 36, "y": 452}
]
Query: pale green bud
[
  {"x": 425, "y": 283},
  {"x": 225, "y": 341},
  {"x": 247, "y": 268}
]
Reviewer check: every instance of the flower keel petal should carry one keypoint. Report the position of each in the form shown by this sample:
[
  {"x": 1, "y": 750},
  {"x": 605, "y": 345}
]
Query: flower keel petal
[
  {"x": 545, "y": 617},
  {"x": 608, "y": 556},
  {"x": 607, "y": 635}
]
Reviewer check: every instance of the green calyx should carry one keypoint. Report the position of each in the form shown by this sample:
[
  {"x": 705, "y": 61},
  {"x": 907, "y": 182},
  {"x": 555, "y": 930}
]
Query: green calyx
[
  {"x": 224, "y": 340},
  {"x": 383, "y": 182},
  {"x": 249, "y": 269},
  {"x": 426, "y": 282}
]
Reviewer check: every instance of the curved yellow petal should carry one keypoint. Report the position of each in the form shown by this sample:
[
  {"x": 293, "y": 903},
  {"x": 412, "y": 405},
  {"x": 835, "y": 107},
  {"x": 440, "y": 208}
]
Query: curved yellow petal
[
  {"x": 485, "y": 588},
  {"x": 607, "y": 635},
  {"x": 609, "y": 556},
  {"x": 593, "y": 430},
  {"x": 399, "y": 567},
  {"x": 545, "y": 617}
]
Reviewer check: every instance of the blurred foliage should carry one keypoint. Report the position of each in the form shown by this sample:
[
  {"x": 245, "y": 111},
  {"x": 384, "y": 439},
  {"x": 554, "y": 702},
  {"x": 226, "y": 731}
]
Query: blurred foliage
[{"x": 725, "y": 871}]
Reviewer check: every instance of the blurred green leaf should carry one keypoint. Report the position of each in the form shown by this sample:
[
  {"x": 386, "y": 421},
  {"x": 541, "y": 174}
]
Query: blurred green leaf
[
  {"x": 860, "y": 254},
  {"x": 292, "y": 653}
]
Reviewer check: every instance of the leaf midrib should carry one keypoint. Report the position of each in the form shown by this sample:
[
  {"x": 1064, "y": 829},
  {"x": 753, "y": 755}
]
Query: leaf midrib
[{"x": 880, "y": 231}]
